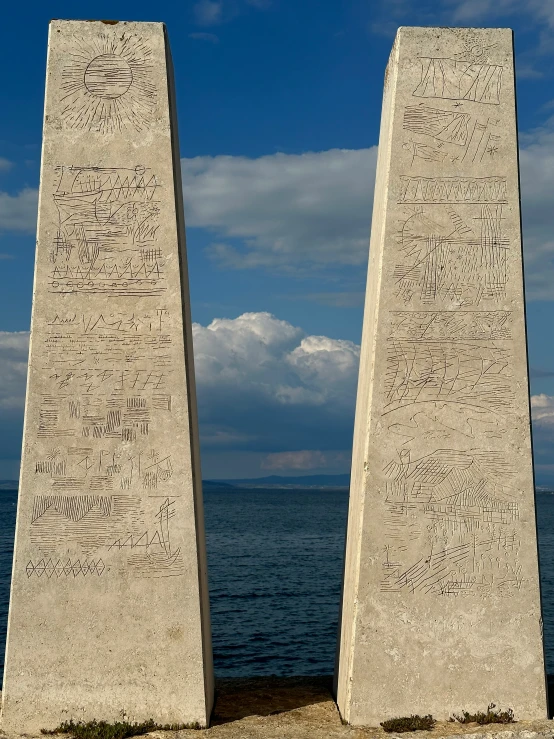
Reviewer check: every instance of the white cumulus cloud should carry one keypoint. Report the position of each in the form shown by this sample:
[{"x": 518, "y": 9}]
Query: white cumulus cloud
[
  {"x": 288, "y": 210},
  {"x": 261, "y": 355},
  {"x": 262, "y": 383},
  {"x": 309, "y": 211},
  {"x": 537, "y": 185},
  {"x": 542, "y": 409},
  {"x": 19, "y": 212},
  {"x": 542, "y": 413},
  {"x": 263, "y": 386},
  {"x": 14, "y": 347}
]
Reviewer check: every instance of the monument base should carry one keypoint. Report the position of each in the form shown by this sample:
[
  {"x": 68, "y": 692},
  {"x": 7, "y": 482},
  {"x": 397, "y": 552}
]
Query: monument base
[{"x": 303, "y": 708}]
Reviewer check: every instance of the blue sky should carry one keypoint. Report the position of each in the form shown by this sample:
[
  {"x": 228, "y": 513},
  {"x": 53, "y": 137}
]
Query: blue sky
[{"x": 279, "y": 109}]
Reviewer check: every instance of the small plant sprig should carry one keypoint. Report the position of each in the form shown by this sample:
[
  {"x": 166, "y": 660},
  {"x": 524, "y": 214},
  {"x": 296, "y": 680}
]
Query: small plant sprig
[
  {"x": 117, "y": 730},
  {"x": 490, "y": 716},
  {"x": 409, "y": 723}
]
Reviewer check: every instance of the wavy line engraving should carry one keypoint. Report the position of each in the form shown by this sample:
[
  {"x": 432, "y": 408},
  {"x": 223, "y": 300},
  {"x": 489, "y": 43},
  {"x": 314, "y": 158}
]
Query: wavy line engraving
[
  {"x": 465, "y": 190},
  {"x": 65, "y": 568}
]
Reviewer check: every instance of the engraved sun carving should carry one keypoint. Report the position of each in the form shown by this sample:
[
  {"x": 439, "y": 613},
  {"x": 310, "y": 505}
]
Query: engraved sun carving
[
  {"x": 108, "y": 76},
  {"x": 107, "y": 85}
]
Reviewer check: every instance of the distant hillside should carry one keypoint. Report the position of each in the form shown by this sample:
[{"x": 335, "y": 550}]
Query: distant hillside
[
  {"x": 9, "y": 484},
  {"x": 272, "y": 481},
  {"x": 278, "y": 481},
  {"x": 217, "y": 485}
]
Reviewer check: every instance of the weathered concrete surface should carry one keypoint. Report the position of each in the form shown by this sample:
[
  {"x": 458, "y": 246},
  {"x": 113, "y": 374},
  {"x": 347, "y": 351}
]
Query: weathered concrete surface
[
  {"x": 302, "y": 708},
  {"x": 109, "y": 612},
  {"x": 441, "y": 604}
]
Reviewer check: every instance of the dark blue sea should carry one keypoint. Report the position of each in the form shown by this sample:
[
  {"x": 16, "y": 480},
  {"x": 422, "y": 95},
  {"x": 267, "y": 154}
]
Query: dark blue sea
[{"x": 275, "y": 564}]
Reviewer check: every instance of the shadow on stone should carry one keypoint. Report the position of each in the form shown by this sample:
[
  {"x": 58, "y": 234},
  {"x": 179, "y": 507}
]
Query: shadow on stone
[
  {"x": 237, "y": 698},
  {"x": 550, "y": 695}
]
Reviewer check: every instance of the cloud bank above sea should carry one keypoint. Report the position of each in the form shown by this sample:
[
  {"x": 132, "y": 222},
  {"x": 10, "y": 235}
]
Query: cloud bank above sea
[{"x": 267, "y": 390}]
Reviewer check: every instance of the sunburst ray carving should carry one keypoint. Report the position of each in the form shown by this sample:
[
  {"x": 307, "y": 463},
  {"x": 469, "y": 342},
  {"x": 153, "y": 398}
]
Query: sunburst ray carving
[{"x": 107, "y": 85}]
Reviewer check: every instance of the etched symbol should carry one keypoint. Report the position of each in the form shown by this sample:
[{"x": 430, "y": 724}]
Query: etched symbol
[
  {"x": 444, "y": 125},
  {"x": 462, "y": 374},
  {"x": 107, "y": 85},
  {"x": 448, "y": 258},
  {"x": 459, "y": 79},
  {"x": 449, "y": 518},
  {"x": 151, "y": 553},
  {"x": 67, "y": 568},
  {"x": 469, "y": 190},
  {"x": 451, "y": 326},
  {"x": 108, "y": 76},
  {"x": 107, "y": 224}
]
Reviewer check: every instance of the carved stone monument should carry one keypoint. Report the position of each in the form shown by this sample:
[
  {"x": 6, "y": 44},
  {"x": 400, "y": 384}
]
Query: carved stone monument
[
  {"x": 441, "y": 604},
  {"x": 109, "y": 615}
]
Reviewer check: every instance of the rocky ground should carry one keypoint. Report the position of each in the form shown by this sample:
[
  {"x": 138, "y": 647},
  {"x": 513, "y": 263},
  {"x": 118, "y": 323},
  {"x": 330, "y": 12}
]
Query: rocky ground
[{"x": 303, "y": 708}]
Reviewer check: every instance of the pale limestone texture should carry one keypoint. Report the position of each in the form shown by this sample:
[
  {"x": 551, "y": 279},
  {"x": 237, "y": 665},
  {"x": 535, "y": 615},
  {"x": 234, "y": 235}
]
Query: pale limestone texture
[
  {"x": 302, "y": 708},
  {"x": 109, "y": 611},
  {"x": 441, "y": 604}
]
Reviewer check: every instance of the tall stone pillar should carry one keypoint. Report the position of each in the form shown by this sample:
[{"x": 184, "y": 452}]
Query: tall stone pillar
[
  {"x": 109, "y": 615},
  {"x": 441, "y": 604}
]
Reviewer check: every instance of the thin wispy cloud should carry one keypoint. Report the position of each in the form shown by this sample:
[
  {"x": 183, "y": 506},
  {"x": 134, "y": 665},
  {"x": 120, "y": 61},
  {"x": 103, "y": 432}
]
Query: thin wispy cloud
[
  {"x": 535, "y": 17},
  {"x": 526, "y": 71},
  {"x": 216, "y": 12},
  {"x": 337, "y": 299},
  {"x": 305, "y": 460},
  {"x": 477, "y": 10},
  {"x": 208, "y": 12},
  {"x": 532, "y": 15},
  {"x": 536, "y": 373},
  {"x": 200, "y": 36}
]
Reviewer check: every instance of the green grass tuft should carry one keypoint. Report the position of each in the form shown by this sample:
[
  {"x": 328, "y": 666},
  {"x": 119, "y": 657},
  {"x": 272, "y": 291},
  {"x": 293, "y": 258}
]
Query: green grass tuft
[
  {"x": 490, "y": 716},
  {"x": 117, "y": 730},
  {"x": 409, "y": 723}
]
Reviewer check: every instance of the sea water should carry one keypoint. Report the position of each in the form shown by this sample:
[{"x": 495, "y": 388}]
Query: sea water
[{"x": 275, "y": 567}]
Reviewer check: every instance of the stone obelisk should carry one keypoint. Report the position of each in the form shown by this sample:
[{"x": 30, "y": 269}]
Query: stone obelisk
[
  {"x": 109, "y": 615},
  {"x": 441, "y": 604}
]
